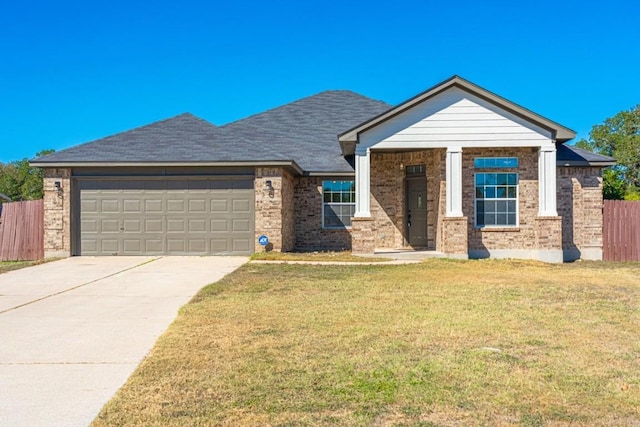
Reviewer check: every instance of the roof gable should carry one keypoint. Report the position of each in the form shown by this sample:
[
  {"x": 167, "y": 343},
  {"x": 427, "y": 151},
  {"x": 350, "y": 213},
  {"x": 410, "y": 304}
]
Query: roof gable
[{"x": 558, "y": 132}]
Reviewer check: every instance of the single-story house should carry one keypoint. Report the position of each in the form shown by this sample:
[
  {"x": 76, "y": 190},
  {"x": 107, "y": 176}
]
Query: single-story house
[{"x": 456, "y": 169}]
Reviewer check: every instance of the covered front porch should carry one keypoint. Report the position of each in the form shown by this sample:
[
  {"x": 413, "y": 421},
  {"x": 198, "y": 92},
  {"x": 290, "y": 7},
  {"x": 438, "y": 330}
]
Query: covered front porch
[
  {"x": 460, "y": 171},
  {"x": 425, "y": 200}
]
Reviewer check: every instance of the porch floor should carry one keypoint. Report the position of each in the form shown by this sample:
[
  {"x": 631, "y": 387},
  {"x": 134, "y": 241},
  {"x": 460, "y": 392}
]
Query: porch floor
[{"x": 407, "y": 254}]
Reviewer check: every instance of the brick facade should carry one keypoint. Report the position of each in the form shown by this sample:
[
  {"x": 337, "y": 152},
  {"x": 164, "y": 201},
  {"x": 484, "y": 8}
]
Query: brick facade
[
  {"x": 57, "y": 213},
  {"x": 291, "y": 214},
  {"x": 522, "y": 237},
  {"x": 307, "y": 204},
  {"x": 274, "y": 209},
  {"x": 580, "y": 205},
  {"x": 388, "y": 204}
]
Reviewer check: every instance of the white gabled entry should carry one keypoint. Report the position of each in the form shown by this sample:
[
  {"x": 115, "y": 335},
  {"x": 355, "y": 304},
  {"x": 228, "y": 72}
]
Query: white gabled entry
[{"x": 456, "y": 119}]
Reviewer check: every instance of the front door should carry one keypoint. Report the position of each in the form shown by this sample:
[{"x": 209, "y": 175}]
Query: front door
[{"x": 416, "y": 217}]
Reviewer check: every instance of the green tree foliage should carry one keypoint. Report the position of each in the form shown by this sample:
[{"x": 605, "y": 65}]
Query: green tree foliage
[
  {"x": 619, "y": 137},
  {"x": 20, "y": 181}
]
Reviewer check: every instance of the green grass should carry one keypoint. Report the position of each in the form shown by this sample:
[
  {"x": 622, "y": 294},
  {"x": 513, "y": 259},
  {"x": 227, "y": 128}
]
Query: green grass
[
  {"x": 16, "y": 265},
  {"x": 438, "y": 343}
]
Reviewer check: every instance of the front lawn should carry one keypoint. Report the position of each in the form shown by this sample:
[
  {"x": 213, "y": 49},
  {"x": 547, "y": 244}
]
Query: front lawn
[{"x": 438, "y": 343}]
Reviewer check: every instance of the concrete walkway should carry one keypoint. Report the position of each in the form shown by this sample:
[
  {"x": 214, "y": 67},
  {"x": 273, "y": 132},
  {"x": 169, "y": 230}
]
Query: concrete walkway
[{"x": 73, "y": 331}]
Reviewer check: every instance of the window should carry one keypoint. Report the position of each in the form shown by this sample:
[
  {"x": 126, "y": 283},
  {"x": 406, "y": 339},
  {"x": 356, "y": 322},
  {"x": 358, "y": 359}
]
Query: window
[
  {"x": 495, "y": 162},
  {"x": 339, "y": 203},
  {"x": 496, "y": 199}
]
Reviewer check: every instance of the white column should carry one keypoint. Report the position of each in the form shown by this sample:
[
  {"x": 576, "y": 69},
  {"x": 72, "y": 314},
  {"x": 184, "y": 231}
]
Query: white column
[
  {"x": 454, "y": 182},
  {"x": 547, "y": 181},
  {"x": 363, "y": 175}
]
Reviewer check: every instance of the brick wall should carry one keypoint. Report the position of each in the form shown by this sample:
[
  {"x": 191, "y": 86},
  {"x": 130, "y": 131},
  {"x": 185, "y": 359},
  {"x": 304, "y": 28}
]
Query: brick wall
[
  {"x": 580, "y": 205},
  {"x": 57, "y": 213},
  {"x": 522, "y": 237},
  {"x": 274, "y": 210},
  {"x": 309, "y": 234},
  {"x": 388, "y": 203}
]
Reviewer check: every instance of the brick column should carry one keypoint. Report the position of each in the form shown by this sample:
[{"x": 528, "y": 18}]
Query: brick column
[
  {"x": 454, "y": 237},
  {"x": 57, "y": 213},
  {"x": 548, "y": 235},
  {"x": 274, "y": 210},
  {"x": 363, "y": 241}
]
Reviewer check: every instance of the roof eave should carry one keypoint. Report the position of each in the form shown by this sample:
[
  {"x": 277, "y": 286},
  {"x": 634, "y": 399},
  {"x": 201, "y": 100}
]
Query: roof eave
[
  {"x": 584, "y": 163},
  {"x": 79, "y": 164}
]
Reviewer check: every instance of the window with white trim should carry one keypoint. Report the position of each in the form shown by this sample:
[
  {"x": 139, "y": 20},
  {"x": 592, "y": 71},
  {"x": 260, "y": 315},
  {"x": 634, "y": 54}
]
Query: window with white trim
[
  {"x": 338, "y": 203},
  {"x": 496, "y": 199}
]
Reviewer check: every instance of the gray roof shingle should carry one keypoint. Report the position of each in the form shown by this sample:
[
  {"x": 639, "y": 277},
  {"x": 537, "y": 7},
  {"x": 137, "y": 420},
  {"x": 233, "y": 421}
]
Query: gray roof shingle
[
  {"x": 570, "y": 155},
  {"x": 307, "y": 130},
  {"x": 304, "y": 131}
]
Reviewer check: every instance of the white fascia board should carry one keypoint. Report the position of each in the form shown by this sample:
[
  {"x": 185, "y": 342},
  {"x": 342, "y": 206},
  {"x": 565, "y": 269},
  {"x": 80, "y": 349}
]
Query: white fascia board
[{"x": 418, "y": 145}]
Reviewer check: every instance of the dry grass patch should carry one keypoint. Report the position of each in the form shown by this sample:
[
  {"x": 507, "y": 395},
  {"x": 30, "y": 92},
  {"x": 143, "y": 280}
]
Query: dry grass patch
[
  {"x": 339, "y": 256},
  {"x": 438, "y": 343},
  {"x": 17, "y": 265}
]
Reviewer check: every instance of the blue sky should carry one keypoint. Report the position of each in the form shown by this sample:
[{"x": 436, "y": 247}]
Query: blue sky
[{"x": 71, "y": 72}]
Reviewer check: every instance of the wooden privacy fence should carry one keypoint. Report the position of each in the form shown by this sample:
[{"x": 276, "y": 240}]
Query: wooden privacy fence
[
  {"x": 621, "y": 231},
  {"x": 22, "y": 231}
]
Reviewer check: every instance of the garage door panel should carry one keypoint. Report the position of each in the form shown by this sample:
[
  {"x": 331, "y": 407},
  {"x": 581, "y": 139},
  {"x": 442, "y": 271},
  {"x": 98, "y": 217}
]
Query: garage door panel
[
  {"x": 176, "y": 246},
  {"x": 241, "y": 245},
  {"x": 197, "y": 206},
  {"x": 241, "y": 206},
  {"x": 109, "y": 246},
  {"x": 131, "y": 205},
  {"x": 132, "y": 246},
  {"x": 220, "y": 245},
  {"x": 219, "y": 225},
  {"x": 153, "y": 225},
  {"x": 132, "y": 225},
  {"x": 89, "y": 225},
  {"x": 153, "y": 246},
  {"x": 175, "y": 206},
  {"x": 89, "y": 246},
  {"x": 110, "y": 226},
  {"x": 110, "y": 206},
  {"x": 197, "y": 246},
  {"x": 89, "y": 206},
  {"x": 176, "y": 225},
  {"x": 153, "y": 206},
  {"x": 166, "y": 216},
  {"x": 198, "y": 225},
  {"x": 219, "y": 205},
  {"x": 241, "y": 225}
]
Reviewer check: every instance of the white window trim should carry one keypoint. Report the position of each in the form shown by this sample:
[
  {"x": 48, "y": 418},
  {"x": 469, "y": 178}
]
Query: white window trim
[
  {"x": 475, "y": 203},
  {"x": 346, "y": 227}
]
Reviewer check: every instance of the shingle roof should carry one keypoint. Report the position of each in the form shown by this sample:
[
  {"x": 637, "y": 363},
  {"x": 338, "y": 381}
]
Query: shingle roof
[
  {"x": 184, "y": 138},
  {"x": 569, "y": 155},
  {"x": 307, "y": 130},
  {"x": 304, "y": 131}
]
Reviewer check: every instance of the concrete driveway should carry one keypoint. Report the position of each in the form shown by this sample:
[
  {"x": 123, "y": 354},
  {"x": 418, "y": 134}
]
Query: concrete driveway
[{"x": 73, "y": 331}]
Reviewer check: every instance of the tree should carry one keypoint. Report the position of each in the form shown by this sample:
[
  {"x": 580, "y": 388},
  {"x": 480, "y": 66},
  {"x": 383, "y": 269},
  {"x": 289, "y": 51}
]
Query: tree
[
  {"x": 619, "y": 137},
  {"x": 20, "y": 181}
]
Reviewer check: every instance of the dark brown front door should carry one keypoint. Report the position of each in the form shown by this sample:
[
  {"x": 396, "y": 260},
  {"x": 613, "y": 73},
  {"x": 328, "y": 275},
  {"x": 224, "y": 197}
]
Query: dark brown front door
[{"x": 416, "y": 218}]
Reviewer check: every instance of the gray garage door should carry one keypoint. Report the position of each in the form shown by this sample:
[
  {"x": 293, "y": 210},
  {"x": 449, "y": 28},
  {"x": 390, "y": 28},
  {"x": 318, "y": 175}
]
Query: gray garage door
[{"x": 166, "y": 217}]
